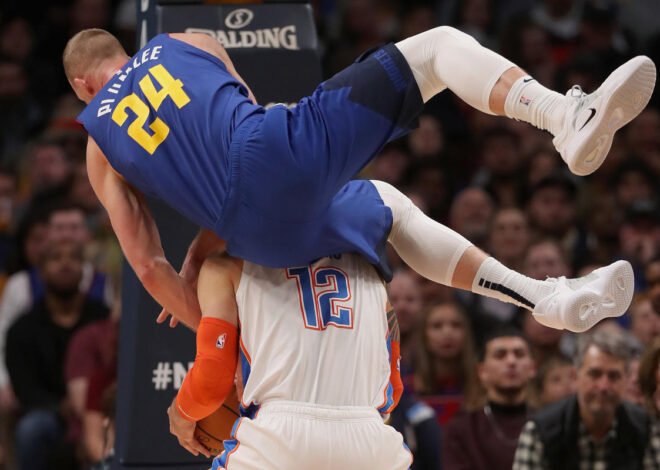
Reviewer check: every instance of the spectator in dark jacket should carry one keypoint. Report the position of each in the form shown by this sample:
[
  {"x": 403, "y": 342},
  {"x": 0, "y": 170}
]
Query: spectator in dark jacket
[
  {"x": 486, "y": 438},
  {"x": 36, "y": 348},
  {"x": 595, "y": 428}
]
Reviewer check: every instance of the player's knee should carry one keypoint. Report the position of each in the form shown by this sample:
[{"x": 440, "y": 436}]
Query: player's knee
[
  {"x": 400, "y": 204},
  {"x": 444, "y": 30},
  {"x": 448, "y": 35},
  {"x": 434, "y": 46}
]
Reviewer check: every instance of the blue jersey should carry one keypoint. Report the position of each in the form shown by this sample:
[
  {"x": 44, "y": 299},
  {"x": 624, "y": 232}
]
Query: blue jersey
[
  {"x": 273, "y": 183},
  {"x": 165, "y": 121}
]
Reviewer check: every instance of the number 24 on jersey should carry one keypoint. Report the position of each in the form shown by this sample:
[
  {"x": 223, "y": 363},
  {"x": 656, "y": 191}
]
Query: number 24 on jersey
[{"x": 169, "y": 87}]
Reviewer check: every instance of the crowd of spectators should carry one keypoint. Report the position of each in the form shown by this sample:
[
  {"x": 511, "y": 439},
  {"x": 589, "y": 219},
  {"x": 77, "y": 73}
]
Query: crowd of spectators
[{"x": 486, "y": 385}]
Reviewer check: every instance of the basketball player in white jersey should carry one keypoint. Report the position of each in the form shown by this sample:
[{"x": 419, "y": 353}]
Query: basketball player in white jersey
[{"x": 318, "y": 355}]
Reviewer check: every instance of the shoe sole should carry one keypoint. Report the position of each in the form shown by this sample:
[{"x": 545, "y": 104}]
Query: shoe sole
[
  {"x": 588, "y": 307},
  {"x": 624, "y": 94}
]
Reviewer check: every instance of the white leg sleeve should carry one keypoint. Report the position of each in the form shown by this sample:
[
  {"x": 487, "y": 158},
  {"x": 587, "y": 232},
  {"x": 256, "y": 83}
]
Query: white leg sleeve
[
  {"x": 445, "y": 57},
  {"x": 427, "y": 246}
]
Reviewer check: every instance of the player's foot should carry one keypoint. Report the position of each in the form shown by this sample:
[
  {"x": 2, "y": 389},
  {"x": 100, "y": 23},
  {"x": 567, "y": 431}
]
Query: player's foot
[
  {"x": 591, "y": 120},
  {"x": 578, "y": 304}
]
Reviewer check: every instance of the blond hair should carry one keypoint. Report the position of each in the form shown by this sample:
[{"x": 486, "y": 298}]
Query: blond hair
[{"x": 87, "y": 50}]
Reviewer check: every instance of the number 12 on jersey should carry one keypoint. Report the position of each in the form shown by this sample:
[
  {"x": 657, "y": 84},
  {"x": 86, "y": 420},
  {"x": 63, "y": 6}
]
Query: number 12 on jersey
[{"x": 322, "y": 292}]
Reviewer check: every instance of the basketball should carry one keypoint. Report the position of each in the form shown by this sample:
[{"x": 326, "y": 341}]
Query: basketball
[{"x": 215, "y": 428}]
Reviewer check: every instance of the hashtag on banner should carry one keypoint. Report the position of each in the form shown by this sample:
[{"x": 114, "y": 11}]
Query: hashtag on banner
[{"x": 162, "y": 376}]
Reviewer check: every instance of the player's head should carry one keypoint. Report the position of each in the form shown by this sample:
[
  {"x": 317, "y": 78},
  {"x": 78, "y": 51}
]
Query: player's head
[{"x": 90, "y": 57}]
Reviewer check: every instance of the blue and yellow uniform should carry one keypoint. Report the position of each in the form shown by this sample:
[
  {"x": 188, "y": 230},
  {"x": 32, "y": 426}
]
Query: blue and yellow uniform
[{"x": 273, "y": 183}]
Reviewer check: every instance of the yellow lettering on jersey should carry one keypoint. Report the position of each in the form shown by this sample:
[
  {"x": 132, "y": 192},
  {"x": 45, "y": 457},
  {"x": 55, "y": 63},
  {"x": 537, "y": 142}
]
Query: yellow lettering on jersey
[
  {"x": 169, "y": 87},
  {"x": 136, "y": 128}
]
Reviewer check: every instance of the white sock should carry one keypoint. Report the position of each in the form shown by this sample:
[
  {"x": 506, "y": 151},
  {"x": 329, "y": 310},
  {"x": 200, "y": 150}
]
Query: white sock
[
  {"x": 445, "y": 57},
  {"x": 495, "y": 280},
  {"x": 428, "y": 247},
  {"x": 531, "y": 102}
]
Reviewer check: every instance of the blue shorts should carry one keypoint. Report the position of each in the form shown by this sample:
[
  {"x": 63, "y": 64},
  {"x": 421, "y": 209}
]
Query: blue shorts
[{"x": 290, "y": 201}]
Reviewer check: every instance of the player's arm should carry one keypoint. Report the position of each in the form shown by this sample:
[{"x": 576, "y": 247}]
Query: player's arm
[
  {"x": 211, "y": 378},
  {"x": 205, "y": 243},
  {"x": 208, "y": 44},
  {"x": 139, "y": 239}
]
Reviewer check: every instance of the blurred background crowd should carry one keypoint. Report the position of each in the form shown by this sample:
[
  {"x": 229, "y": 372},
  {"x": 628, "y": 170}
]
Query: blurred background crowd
[{"x": 477, "y": 371}]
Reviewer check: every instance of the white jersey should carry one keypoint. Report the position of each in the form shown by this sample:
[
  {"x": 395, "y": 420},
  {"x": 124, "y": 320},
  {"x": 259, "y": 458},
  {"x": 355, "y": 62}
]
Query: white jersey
[{"x": 316, "y": 334}]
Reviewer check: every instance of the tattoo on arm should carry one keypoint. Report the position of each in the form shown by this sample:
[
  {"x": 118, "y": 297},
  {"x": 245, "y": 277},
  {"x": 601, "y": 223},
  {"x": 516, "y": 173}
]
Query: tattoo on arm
[{"x": 393, "y": 326}]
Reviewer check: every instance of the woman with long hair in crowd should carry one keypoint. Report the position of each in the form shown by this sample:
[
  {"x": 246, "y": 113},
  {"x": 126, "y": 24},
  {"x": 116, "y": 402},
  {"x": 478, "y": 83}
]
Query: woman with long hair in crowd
[{"x": 445, "y": 370}]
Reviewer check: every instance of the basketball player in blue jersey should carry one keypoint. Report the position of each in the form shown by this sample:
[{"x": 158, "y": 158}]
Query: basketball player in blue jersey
[{"x": 271, "y": 186}]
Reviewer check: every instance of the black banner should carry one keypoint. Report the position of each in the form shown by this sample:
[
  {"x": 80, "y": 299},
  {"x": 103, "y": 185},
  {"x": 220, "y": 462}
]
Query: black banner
[
  {"x": 153, "y": 360},
  {"x": 274, "y": 48},
  {"x": 147, "y": 26}
]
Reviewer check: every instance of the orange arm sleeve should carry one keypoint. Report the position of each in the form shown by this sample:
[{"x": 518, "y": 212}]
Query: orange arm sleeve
[{"x": 211, "y": 378}]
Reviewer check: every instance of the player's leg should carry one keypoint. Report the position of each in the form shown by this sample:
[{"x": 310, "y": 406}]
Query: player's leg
[
  {"x": 256, "y": 446},
  {"x": 395, "y": 454},
  {"x": 583, "y": 125},
  {"x": 444, "y": 256}
]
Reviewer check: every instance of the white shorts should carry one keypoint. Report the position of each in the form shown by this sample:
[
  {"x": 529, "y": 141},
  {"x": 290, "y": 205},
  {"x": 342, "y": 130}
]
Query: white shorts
[{"x": 300, "y": 436}]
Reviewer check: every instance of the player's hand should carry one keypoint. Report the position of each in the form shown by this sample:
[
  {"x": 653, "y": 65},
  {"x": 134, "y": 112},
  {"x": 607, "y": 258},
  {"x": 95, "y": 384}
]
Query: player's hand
[
  {"x": 162, "y": 317},
  {"x": 189, "y": 273},
  {"x": 184, "y": 431},
  {"x": 193, "y": 323}
]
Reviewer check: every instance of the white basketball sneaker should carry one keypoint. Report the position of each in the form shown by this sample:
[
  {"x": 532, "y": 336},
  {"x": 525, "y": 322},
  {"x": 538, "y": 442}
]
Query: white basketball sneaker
[
  {"x": 591, "y": 120},
  {"x": 578, "y": 304}
]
